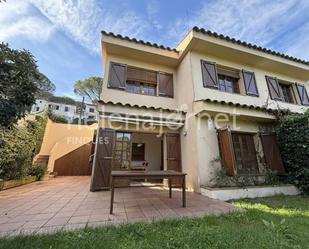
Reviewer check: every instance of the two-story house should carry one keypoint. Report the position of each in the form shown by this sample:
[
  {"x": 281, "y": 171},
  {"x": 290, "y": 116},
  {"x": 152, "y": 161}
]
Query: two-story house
[
  {"x": 211, "y": 102},
  {"x": 70, "y": 112}
]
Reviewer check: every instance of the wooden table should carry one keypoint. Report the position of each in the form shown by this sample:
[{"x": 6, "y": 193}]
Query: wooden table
[{"x": 155, "y": 174}]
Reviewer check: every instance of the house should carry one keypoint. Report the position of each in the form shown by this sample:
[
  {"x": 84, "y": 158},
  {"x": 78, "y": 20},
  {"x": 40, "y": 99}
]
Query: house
[
  {"x": 69, "y": 111},
  {"x": 209, "y": 104}
]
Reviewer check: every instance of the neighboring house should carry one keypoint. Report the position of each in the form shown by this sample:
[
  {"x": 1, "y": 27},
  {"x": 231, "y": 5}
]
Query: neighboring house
[
  {"x": 209, "y": 102},
  {"x": 66, "y": 110}
]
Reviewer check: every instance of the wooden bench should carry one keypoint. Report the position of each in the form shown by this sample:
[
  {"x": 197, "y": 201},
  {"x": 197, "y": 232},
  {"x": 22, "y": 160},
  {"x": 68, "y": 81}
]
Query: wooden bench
[{"x": 156, "y": 174}]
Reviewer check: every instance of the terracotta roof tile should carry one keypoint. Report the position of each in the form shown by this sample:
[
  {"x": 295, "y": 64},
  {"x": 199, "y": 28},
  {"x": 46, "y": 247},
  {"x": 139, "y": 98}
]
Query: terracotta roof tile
[
  {"x": 138, "y": 41},
  {"x": 213, "y": 34},
  {"x": 255, "y": 107},
  {"x": 141, "y": 106},
  {"x": 249, "y": 45}
]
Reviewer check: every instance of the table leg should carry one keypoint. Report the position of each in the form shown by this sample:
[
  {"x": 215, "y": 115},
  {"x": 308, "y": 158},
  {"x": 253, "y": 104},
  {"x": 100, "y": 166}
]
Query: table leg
[
  {"x": 184, "y": 191},
  {"x": 170, "y": 187},
  {"x": 112, "y": 196}
]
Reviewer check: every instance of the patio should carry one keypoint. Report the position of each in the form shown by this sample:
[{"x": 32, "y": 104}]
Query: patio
[{"x": 67, "y": 203}]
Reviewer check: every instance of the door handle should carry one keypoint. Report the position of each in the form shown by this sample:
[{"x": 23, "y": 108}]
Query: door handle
[
  {"x": 108, "y": 157},
  {"x": 171, "y": 158}
]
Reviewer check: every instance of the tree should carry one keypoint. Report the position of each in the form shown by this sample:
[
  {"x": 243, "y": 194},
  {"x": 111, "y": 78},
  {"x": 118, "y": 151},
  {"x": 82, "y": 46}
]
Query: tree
[
  {"x": 90, "y": 88},
  {"x": 20, "y": 81}
]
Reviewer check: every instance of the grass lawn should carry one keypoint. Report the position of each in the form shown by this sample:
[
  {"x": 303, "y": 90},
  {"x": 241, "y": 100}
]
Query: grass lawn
[{"x": 276, "y": 222}]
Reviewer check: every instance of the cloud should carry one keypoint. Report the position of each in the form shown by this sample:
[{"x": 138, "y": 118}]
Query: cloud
[
  {"x": 152, "y": 9},
  {"x": 265, "y": 23},
  {"x": 16, "y": 19},
  {"x": 83, "y": 20}
]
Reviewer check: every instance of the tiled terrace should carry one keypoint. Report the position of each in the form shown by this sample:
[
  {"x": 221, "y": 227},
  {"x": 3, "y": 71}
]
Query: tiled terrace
[{"x": 66, "y": 203}]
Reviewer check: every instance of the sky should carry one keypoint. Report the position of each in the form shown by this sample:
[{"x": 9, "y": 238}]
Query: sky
[{"x": 64, "y": 36}]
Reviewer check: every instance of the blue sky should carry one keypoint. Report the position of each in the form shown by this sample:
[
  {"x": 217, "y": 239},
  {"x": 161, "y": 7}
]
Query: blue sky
[{"x": 64, "y": 36}]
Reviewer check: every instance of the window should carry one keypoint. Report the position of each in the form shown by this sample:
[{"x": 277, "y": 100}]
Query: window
[
  {"x": 245, "y": 153},
  {"x": 141, "y": 81},
  {"x": 228, "y": 84},
  {"x": 141, "y": 88},
  {"x": 57, "y": 107},
  {"x": 122, "y": 150},
  {"x": 286, "y": 92},
  {"x": 138, "y": 152},
  {"x": 91, "y": 109},
  {"x": 66, "y": 109},
  {"x": 37, "y": 109}
]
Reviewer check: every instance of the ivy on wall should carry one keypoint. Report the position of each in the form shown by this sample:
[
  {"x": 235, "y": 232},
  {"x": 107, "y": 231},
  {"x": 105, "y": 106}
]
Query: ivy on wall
[{"x": 293, "y": 138}]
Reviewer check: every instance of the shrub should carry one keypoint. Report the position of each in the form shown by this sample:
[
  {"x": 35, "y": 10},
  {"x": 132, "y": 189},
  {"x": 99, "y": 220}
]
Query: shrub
[
  {"x": 16, "y": 151},
  {"x": 293, "y": 138},
  {"x": 18, "y": 146},
  {"x": 37, "y": 170},
  {"x": 56, "y": 118}
]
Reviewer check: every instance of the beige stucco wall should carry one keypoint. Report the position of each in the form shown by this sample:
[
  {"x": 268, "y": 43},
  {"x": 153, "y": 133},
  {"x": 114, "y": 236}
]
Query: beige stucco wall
[
  {"x": 60, "y": 139},
  {"x": 119, "y": 96},
  {"x": 199, "y": 144},
  {"x": 262, "y": 100},
  {"x": 208, "y": 147},
  {"x": 152, "y": 148}
]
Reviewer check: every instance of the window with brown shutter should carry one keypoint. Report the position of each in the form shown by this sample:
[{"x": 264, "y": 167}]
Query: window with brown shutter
[
  {"x": 117, "y": 75},
  {"x": 287, "y": 92},
  {"x": 250, "y": 83},
  {"x": 245, "y": 153},
  {"x": 303, "y": 95},
  {"x": 166, "y": 84},
  {"x": 238, "y": 152},
  {"x": 272, "y": 153},
  {"x": 228, "y": 84},
  {"x": 227, "y": 151},
  {"x": 209, "y": 74},
  {"x": 274, "y": 88}
]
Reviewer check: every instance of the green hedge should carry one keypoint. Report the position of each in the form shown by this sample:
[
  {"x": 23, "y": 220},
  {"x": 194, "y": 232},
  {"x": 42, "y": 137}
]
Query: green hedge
[
  {"x": 18, "y": 146},
  {"x": 293, "y": 138}
]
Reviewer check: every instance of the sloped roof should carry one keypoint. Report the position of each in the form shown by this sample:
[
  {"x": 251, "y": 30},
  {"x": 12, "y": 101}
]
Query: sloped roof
[
  {"x": 213, "y": 34},
  {"x": 249, "y": 45},
  {"x": 138, "y": 41}
]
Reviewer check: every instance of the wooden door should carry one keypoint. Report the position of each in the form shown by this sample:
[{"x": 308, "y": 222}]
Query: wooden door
[
  {"x": 102, "y": 164},
  {"x": 272, "y": 153},
  {"x": 173, "y": 155}
]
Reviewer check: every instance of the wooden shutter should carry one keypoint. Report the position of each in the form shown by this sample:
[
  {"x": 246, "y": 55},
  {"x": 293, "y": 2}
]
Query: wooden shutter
[
  {"x": 274, "y": 88},
  {"x": 166, "y": 87},
  {"x": 102, "y": 164},
  {"x": 250, "y": 83},
  {"x": 227, "y": 151},
  {"x": 303, "y": 95},
  {"x": 272, "y": 153},
  {"x": 209, "y": 74},
  {"x": 117, "y": 75},
  {"x": 173, "y": 154},
  {"x": 141, "y": 75}
]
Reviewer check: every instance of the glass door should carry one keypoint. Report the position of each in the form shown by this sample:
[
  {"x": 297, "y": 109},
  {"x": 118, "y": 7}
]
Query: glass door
[{"x": 122, "y": 151}]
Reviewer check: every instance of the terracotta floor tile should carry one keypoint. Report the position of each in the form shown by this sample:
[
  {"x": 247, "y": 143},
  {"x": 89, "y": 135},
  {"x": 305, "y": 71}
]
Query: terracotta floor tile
[
  {"x": 79, "y": 219},
  {"x": 67, "y": 202},
  {"x": 57, "y": 221},
  {"x": 34, "y": 224},
  {"x": 11, "y": 226}
]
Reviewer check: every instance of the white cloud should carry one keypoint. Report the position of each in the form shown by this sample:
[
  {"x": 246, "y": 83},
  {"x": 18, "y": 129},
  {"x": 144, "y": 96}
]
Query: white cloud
[
  {"x": 16, "y": 20},
  {"x": 83, "y": 20},
  {"x": 260, "y": 22},
  {"x": 152, "y": 9}
]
